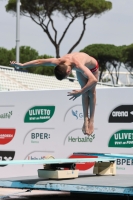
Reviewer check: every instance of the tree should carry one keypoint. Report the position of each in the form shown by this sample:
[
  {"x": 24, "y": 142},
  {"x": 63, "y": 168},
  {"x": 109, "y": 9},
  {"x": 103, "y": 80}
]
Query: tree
[
  {"x": 27, "y": 54},
  {"x": 108, "y": 56},
  {"x": 44, "y": 70},
  {"x": 6, "y": 56},
  {"x": 47, "y": 70},
  {"x": 42, "y": 12},
  {"x": 128, "y": 58}
]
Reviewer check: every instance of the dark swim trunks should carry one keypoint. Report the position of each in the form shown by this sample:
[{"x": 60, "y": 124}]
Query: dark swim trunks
[{"x": 95, "y": 68}]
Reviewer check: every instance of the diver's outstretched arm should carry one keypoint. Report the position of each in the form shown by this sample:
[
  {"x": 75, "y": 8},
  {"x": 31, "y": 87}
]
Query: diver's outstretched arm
[{"x": 34, "y": 63}]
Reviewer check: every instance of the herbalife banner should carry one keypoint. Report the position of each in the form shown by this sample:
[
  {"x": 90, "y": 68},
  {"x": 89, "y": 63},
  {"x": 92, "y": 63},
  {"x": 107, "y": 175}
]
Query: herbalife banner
[{"x": 34, "y": 124}]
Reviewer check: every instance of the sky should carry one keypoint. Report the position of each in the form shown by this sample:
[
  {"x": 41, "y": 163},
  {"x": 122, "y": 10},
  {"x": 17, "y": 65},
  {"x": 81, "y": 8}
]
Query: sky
[{"x": 112, "y": 27}]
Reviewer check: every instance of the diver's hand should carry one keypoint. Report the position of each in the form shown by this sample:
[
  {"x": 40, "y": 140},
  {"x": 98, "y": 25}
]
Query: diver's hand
[
  {"x": 15, "y": 64},
  {"x": 74, "y": 94}
]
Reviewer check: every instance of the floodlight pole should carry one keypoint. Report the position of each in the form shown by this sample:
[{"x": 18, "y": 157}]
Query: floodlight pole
[{"x": 17, "y": 29}]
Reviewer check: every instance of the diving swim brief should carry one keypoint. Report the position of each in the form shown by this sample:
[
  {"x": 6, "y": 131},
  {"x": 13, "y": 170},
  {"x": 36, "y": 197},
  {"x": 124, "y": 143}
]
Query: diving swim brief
[{"x": 95, "y": 68}]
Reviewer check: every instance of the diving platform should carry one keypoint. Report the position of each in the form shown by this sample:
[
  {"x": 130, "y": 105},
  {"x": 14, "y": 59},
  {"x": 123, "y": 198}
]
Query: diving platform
[
  {"x": 103, "y": 180},
  {"x": 89, "y": 183}
]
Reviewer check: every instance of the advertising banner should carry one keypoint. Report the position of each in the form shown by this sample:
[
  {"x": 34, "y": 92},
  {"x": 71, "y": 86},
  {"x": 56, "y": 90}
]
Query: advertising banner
[{"x": 35, "y": 124}]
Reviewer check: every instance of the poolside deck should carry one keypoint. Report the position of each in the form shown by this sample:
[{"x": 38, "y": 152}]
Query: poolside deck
[{"x": 91, "y": 184}]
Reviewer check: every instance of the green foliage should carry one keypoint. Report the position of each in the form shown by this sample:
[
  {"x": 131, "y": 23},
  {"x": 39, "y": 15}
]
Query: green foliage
[
  {"x": 11, "y": 6},
  {"x": 49, "y": 71},
  {"x": 26, "y": 54},
  {"x": 42, "y": 11},
  {"x": 105, "y": 53},
  {"x": 45, "y": 56},
  {"x": 66, "y": 7},
  {"x": 108, "y": 56},
  {"x": 6, "y": 56},
  {"x": 44, "y": 70},
  {"x": 128, "y": 57},
  {"x": 84, "y": 7}
]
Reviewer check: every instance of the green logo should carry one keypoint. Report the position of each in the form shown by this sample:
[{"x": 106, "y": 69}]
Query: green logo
[
  {"x": 39, "y": 114},
  {"x": 122, "y": 139}
]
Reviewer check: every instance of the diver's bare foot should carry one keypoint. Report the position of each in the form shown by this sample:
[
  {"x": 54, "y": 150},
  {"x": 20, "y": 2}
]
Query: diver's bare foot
[
  {"x": 85, "y": 128},
  {"x": 90, "y": 127}
]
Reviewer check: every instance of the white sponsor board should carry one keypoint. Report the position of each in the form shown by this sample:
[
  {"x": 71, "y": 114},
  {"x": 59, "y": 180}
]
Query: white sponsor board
[{"x": 34, "y": 124}]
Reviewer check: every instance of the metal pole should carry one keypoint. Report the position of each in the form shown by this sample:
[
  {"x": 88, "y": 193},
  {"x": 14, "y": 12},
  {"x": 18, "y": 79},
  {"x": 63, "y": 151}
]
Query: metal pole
[{"x": 17, "y": 29}]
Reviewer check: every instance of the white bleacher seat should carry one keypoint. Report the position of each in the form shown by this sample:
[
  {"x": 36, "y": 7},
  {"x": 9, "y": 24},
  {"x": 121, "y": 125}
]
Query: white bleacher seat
[{"x": 15, "y": 80}]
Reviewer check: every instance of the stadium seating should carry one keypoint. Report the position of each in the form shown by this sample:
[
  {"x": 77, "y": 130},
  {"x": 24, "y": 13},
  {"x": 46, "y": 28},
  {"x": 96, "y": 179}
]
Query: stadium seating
[{"x": 11, "y": 80}]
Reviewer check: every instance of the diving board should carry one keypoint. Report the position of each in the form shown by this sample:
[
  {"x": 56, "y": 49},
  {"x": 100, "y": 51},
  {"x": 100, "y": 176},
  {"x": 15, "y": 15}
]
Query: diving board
[
  {"x": 98, "y": 166},
  {"x": 105, "y": 155},
  {"x": 55, "y": 161},
  {"x": 66, "y": 168}
]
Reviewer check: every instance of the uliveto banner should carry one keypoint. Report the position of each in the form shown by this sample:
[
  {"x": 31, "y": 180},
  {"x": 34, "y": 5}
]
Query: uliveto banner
[{"x": 34, "y": 124}]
